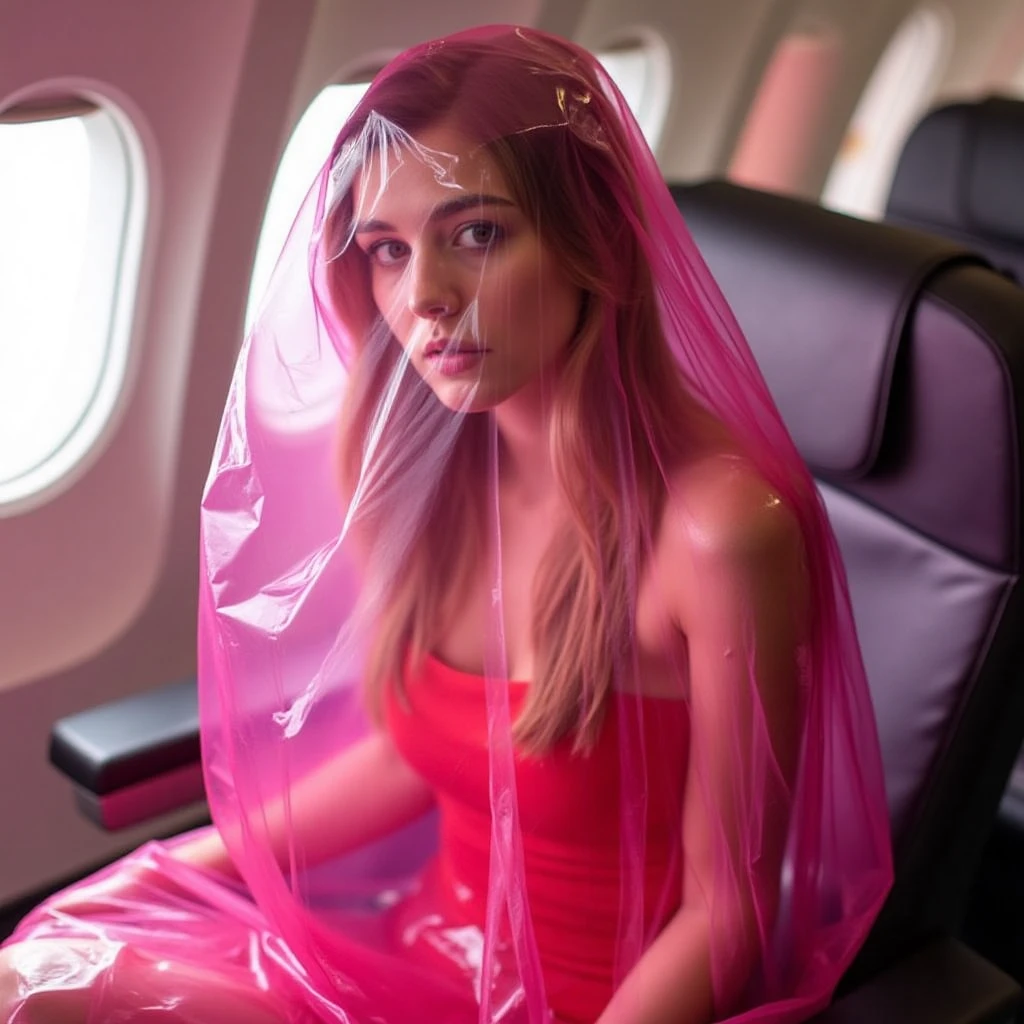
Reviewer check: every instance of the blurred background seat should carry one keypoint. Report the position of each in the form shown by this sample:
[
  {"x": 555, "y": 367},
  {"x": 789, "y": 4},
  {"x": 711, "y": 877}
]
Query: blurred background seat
[{"x": 961, "y": 175}]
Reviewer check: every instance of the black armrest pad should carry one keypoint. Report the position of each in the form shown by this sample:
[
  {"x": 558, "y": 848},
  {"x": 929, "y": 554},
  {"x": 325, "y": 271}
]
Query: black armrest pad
[
  {"x": 944, "y": 983},
  {"x": 129, "y": 741}
]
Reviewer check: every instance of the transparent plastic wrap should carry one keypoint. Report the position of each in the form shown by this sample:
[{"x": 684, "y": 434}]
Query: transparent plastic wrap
[{"x": 528, "y": 680}]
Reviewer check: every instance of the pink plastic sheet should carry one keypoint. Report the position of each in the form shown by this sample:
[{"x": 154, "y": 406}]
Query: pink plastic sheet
[{"x": 618, "y": 754}]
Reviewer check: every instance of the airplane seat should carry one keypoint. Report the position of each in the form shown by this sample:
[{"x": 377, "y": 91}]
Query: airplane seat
[
  {"x": 959, "y": 175},
  {"x": 897, "y": 361}
]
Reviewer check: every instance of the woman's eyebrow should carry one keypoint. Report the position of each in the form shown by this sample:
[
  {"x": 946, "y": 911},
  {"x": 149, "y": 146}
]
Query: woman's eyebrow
[{"x": 448, "y": 208}]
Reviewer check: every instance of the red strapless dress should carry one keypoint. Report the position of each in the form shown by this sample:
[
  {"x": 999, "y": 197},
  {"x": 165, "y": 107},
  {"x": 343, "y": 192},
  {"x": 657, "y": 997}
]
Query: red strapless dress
[{"x": 569, "y": 810}]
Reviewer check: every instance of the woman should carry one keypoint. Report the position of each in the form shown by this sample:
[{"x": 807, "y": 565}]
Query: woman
[{"x": 558, "y": 713}]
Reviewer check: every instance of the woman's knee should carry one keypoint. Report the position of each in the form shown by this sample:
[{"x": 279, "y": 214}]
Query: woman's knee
[
  {"x": 48, "y": 981},
  {"x": 52, "y": 981}
]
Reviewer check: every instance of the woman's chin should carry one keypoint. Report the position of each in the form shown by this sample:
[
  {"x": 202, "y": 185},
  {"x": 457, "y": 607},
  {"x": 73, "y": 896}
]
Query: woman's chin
[{"x": 465, "y": 395}]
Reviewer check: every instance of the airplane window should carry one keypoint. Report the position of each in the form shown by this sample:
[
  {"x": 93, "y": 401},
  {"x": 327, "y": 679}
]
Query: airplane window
[
  {"x": 306, "y": 151},
  {"x": 68, "y": 187},
  {"x": 643, "y": 74},
  {"x": 898, "y": 93}
]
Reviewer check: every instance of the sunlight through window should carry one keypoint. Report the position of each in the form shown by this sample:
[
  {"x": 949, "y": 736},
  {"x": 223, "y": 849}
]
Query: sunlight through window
[
  {"x": 64, "y": 202},
  {"x": 897, "y": 95},
  {"x": 302, "y": 159},
  {"x": 643, "y": 75}
]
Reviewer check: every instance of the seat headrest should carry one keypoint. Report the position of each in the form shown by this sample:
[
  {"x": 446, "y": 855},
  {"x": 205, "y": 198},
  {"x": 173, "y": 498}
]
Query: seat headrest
[
  {"x": 962, "y": 168},
  {"x": 824, "y": 300}
]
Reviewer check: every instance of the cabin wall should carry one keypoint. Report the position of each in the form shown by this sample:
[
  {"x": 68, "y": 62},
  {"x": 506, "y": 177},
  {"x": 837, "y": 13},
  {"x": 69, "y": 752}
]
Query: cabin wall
[{"x": 986, "y": 54}]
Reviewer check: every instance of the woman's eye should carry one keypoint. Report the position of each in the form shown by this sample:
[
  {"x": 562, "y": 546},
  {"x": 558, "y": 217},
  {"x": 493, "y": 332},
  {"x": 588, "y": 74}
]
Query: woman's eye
[
  {"x": 479, "y": 235},
  {"x": 388, "y": 252}
]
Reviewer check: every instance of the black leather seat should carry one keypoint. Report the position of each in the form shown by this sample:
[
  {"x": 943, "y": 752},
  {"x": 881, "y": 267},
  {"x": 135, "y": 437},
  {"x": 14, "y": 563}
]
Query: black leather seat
[
  {"x": 961, "y": 175},
  {"x": 897, "y": 361}
]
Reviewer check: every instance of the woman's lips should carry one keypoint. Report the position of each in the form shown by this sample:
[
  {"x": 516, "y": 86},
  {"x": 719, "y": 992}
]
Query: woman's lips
[{"x": 452, "y": 359}]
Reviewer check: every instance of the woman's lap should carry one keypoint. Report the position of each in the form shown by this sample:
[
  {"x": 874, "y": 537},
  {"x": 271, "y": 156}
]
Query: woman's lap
[
  {"x": 126, "y": 944},
  {"x": 69, "y": 981}
]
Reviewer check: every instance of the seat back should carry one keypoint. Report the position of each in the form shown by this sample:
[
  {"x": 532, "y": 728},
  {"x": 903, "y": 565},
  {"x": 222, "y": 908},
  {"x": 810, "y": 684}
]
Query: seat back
[
  {"x": 960, "y": 175},
  {"x": 897, "y": 362}
]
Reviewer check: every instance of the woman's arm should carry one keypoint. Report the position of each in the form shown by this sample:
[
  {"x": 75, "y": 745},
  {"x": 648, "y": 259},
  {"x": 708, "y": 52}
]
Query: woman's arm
[
  {"x": 364, "y": 793},
  {"x": 741, "y": 602}
]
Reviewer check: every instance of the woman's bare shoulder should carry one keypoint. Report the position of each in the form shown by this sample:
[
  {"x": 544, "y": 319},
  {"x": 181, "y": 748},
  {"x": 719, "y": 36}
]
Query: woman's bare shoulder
[{"x": 722, "y": 511}]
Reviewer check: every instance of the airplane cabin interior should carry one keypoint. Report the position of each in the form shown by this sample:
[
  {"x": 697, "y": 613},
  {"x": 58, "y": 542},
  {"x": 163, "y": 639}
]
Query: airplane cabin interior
[{"x": 853, "y": 174}]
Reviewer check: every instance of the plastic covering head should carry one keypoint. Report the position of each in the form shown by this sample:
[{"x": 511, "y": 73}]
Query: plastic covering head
[{"x": 529, "y": 685}]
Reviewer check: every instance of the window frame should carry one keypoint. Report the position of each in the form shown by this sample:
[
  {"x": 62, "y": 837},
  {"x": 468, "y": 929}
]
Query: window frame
[{"x": 651, "y": 111}]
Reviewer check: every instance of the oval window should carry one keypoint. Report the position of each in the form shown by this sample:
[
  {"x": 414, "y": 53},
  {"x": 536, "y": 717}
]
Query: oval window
[
  {"x": 898, "y": 92},
  {"x": 70, "y": 201},
  {"x": 643, "y": 73}
]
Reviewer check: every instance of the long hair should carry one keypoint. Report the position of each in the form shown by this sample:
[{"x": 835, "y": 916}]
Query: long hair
[{"x": 621, "y": 413}]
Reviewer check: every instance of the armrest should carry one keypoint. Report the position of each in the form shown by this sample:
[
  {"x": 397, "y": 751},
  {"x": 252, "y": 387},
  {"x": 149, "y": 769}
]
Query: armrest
[
  {"x": 943, "y": 983},
  {"x": 135, "y": 758}
]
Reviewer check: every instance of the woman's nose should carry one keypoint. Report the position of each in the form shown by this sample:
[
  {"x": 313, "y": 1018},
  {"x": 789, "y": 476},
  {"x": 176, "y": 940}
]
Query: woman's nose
[{"x": 431, "y": 294}]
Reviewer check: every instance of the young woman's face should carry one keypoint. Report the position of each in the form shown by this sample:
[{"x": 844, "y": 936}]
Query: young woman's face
[{"x": 460, "y": 274}]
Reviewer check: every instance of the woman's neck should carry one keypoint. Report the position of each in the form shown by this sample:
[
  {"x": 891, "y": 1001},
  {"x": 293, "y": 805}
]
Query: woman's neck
[{"x": 524, "y": 455}]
